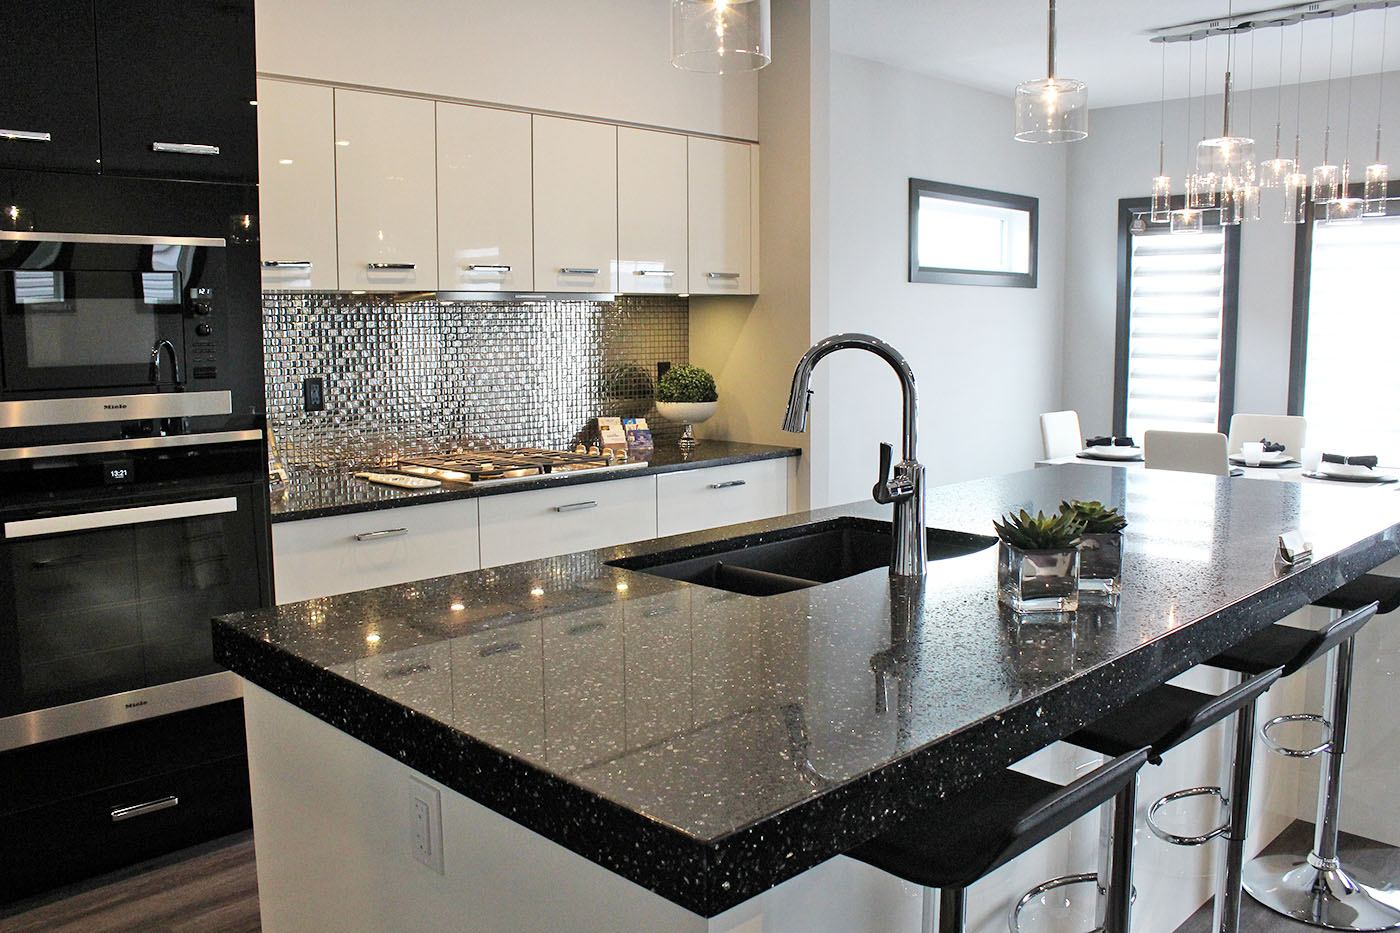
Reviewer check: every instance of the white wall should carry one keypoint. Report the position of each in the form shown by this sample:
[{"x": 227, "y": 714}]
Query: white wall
[
  {"x": 1118, "y": 161},
  {"x": 609, "y": 59},
  {"x": 987, "y": 359}
]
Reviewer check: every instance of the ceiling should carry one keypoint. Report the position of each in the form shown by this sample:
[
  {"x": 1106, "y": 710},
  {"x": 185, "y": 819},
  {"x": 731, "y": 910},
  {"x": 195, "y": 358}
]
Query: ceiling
[{"x": 994, "y": 44}]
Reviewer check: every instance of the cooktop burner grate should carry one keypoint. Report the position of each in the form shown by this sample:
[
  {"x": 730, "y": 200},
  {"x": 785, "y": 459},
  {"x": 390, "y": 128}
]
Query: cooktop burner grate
[{"x": 476, "y": 465}]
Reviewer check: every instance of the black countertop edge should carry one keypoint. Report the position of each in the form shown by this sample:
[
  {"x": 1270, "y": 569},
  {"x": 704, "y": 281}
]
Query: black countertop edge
[
  {"x": 323, "y": 494},
  {"x": 709, "y": 877}
]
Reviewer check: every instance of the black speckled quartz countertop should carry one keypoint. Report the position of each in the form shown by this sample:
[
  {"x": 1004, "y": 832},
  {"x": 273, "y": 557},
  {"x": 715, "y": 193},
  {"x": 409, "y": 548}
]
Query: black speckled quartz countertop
[
  {"x": 318, "y": 493},
  {"x": 709, "y": 746}
]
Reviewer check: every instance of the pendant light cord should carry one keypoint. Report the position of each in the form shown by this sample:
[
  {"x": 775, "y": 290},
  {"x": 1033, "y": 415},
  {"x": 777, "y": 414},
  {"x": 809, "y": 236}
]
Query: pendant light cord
[
  {"x": 1351, "y": 74},
  {"x": 1162, "y": 119},
  {"x": 1331, "y": 53},
  {"x": 1380, "y": 83},
  {"x": 1298, "y": 107}
]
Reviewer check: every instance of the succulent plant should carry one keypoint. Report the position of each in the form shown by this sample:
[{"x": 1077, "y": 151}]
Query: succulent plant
[
  {"x": 686, "y": 384},
  {"x": 1040, "y": 532},
  {"x": 1095, "y": 517}
]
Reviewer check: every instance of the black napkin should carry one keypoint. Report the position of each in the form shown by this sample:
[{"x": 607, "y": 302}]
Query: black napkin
[
  {"x": 1370, "y": 461},
  {"x": 1272, "y": 447},
  {"x": 1110, "y": 441}
]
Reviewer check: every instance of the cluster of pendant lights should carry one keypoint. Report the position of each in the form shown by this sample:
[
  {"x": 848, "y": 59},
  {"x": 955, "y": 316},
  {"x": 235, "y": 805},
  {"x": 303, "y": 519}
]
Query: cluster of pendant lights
[{"x": 1228, "y": 179}]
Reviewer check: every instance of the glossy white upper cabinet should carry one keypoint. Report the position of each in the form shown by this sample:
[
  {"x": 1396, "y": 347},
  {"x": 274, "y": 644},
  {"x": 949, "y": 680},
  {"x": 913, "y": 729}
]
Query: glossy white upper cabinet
[
  {"x": 296, "y": 173},
  {"x": 575, "y": 205},
  {"x": 386, "y": 192},
  {"x": 651, "y": 212},
  {"x": 721, "y": 218},
  {"x": 485, "y": 237}
]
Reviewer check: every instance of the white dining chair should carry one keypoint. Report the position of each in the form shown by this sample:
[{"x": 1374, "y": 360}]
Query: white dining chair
[
  {"x": 1289, "y": 430},
  {"x": 1060, "y": 434},
  {"x": 1188, "y": 451}
]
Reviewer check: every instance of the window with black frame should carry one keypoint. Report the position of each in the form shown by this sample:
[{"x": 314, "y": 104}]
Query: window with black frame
[
  {"x": 1178, "y": 298},
  {"x": 1344, "y": 377},
  {"x": 971, "y": 236}
]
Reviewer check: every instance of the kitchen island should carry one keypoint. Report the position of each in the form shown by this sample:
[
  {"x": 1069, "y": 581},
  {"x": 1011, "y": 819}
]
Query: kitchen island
[{"x": 617, "y": 750}]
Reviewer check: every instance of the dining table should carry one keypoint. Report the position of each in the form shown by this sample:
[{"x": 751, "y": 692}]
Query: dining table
[{"x": 1289, "y": 473}]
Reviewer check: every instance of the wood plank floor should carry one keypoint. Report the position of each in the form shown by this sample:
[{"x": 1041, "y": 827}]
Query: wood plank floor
[{"x": 212, "y": 888}]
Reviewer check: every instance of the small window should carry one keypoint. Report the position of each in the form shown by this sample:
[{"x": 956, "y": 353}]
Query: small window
[{"x": 969, "y": 236}]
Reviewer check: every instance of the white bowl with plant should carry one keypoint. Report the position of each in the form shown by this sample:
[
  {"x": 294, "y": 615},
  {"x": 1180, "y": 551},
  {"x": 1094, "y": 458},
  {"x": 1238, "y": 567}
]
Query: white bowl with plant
[{"x": 687, "y": 394}]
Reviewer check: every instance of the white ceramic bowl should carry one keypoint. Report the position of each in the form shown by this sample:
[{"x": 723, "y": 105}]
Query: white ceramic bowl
[{"x": 687, "y": 412}]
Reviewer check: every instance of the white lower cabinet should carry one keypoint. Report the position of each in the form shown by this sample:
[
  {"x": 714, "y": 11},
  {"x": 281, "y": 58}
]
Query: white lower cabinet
[
  {"x": 725, "y": 495},
  {"x": 545, "y": 522},
  {"x": 343, "y": 553}
]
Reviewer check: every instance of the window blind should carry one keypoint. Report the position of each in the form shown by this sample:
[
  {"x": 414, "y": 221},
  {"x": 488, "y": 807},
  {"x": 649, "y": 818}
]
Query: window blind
[
  {"x": 1351, "y": 379},
  {"x": 1175, "y": 325}
]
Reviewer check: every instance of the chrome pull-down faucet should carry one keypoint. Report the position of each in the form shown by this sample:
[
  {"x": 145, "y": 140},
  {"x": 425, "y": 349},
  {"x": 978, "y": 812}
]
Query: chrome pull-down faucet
[
  {"x": 905, "y": 485},
  {"x": 163, "y": 346}
]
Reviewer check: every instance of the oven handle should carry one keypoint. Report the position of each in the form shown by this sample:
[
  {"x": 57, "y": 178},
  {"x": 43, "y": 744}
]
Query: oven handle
[{"x": 113, "y": 518}]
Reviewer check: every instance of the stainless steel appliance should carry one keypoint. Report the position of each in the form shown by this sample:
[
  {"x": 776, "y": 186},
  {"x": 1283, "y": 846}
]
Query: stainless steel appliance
[{"x": 464, "y": 467}]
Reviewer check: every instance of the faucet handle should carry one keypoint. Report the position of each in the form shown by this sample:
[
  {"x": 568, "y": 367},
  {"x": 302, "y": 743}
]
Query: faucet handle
[{"x": 887, "y": 488}]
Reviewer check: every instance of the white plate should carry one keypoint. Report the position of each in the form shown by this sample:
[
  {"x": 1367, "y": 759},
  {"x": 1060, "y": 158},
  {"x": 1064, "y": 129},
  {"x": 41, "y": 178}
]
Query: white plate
[
  {"x": 1111, "y": 453},
  {"x": 1346, "y": 471},
  {"x": 1275, "y": 458},
  {"x": 1366, "y": 476}
]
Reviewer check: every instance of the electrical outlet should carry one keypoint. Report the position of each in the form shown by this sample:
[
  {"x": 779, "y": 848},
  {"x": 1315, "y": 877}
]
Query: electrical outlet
[
  {"x": 425, "y": 824},
  {"x": 313, "y": 394},
  {"x": 662, "y": 368}
]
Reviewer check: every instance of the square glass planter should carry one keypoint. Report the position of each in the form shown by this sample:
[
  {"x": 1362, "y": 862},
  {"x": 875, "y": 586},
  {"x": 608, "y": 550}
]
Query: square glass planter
[
  {"x": 1101, "y": 563},
  {"x": 1038, "y": 581}
]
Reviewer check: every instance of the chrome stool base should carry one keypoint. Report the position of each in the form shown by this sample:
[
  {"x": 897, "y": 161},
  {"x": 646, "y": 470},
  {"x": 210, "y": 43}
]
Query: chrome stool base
[
  {"x": 1335, "y": 898},
  {"x": 1045, "y": 887}
]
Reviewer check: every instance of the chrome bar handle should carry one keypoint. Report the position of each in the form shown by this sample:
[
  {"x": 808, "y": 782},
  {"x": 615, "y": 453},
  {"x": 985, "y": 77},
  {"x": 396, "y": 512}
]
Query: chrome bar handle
[
  {"x": 395, "y": 266},
  {"x": 202, "y": 149},
  {"x": 480, "y": 267},
  {"x": 729, "y": 484},
  {"x": 117, "y": 518},
  {"x": 29, "y": 136},
  {"x": 286, "y": 264},
  {"x": 141, "y": 809},
  {"x": 576, "y": 506},
  {"x": 721, "y": 275},
  {"x": 654, "y": 272},
  {"x": 577, "y": 270},
  {"x": 378, "y": 535}
]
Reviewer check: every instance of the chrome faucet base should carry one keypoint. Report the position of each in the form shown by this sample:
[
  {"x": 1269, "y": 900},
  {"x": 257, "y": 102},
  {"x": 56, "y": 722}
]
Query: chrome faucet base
[{"x": 1334, "y": 898}]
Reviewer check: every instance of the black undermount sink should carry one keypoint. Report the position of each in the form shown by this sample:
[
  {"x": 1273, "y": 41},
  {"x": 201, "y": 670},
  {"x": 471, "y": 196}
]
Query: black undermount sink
[{"x": 794, "y": 558}]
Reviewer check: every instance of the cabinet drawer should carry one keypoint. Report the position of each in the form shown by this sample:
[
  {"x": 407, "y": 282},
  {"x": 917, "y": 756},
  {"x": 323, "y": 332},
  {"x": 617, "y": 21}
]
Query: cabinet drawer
[
  {"x": 694, "y": 499},
  {"x": 324, "y": 556},
  {"x": 117, "y": 826},
  {"x": 545, "y": 522}
]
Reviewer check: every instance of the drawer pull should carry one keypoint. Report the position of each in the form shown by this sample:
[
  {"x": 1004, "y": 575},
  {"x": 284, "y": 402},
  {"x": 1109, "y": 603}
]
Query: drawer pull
[
  {"x": 392, "y": 266},
  {"x": 576, "y": 506},
  {"x": 376, "y": 535},
  {"x": 286, "y": 263},
  {"x": 575, "y": 270},
  {"x": 504, "y": 647},
  {"x": 29, "y": 136},
  {"x": 729, "y": 484},
  {"x": 186, "y": 148},
  {"x": 721, "y": 275},
  {"x": 586, "y": 627},
  {"x": 477, "y": 267},
  {"x": 141, "y": 809},
  {"x": 653, "y": 272}
]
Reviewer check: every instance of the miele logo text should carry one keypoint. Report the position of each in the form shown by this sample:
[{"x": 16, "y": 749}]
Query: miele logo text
[
  {"x": 136, "y": 704},
  {"x": 117, "y": 407}
]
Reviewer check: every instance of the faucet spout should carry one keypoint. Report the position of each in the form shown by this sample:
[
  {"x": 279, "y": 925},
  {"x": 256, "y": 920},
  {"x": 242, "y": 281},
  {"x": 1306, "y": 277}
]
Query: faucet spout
[
  {"x": 161, "y": 347},
  {"x": 905, "y": 485}
]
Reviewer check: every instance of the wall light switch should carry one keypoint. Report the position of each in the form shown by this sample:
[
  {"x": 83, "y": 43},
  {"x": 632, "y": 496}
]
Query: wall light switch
[{"x": 425, "y": 824}]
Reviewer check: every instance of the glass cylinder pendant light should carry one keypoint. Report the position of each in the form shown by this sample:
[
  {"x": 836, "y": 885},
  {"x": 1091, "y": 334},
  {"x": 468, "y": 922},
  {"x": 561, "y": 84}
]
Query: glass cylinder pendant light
[
  {"x": 1326, "y": 178},
  {"x": 1378, "y": 173},
  {"x": 1344, "y": 208},
  {"x": 1162, "y": 183},
  {"x": 1187, "y": 220},
  {"x": 1273, "y": 171},
  {"x": 1227, "y": 160},
  {"x": 1051, "y": 109},
  {"x": 721, "y": 36},
  {"x": 1295, "y": 198}
]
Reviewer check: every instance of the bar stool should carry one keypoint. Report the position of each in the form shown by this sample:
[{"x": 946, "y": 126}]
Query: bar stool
[
  {"x": 959, "y": 840},
  {"x": 1314, "y": 887},
  {"x": 1161, "y": 719}
]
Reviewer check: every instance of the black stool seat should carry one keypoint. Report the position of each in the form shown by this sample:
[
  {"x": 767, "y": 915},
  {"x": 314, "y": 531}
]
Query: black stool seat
[
  {"x": 958, "y": 840},
  {"x": 1371, "y": 588},
  {"x": 1291, "y": 648},
  {"x": 1165, "y": 716}
]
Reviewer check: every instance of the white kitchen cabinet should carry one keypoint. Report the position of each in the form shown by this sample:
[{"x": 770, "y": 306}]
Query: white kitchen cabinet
[
  {"x": 575, "y": 205},
  {"x": 296, "y": 185},
  {"x": 485, "y": 227},
  {"x": 343, "y": 553},
  {"x": 720, "y": 217},
  {"x": 539, "y": 523},
  {"x": 386, "y": 192},
  {"x": 690, "y": 500},
  {"x": 651, "y": 212}
]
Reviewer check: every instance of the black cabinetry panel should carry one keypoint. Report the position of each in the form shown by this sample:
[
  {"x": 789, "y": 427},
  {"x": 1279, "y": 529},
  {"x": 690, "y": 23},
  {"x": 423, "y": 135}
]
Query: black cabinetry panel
[{"x": 48, "y": 69}]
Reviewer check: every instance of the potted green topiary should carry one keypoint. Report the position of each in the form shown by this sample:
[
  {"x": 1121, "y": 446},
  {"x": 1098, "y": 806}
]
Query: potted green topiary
[
  {"x": 1100, "y": 546},
  {"x": 1038, "y": 561},
  {"x": 687, "y": 394}
]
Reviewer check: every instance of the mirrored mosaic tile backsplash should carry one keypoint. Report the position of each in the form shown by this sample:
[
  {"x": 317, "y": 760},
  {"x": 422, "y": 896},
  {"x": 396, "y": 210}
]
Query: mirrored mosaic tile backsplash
[{"x": 404, "y": 377}]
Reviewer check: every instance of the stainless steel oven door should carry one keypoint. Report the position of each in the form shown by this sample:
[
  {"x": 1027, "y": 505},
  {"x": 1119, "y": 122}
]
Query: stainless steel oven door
[{"x": 106, "y": 613}]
